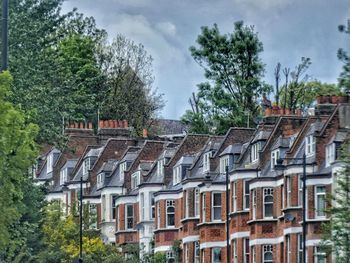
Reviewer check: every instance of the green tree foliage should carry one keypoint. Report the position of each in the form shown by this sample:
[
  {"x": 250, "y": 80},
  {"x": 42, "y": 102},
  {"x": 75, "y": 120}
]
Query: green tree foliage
[
  {"x": 128, "y": 91},
  {"x": 337, "y": 231},
  {"x": 17, "y": 153},
  {"x": 343, "y": 55},
  {"x": 234, "y": 71}
]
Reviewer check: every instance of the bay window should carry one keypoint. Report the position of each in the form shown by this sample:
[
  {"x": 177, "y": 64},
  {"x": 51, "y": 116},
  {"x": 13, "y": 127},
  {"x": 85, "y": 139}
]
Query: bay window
[
  {"x": 224, "y": 161},
  {"x": 216, "y": 206},
  {"x": 129, "y": 216},
  {"x": 216, "y": 255},
  {"x": 267, "y": 254},
  {"x": 275, "y": 155},
  {"x": 268, "y": 202},
  {"x": 310, "y": 145},
  {"x": 246, "y": 201},
  {"x": 320, "y": 201},
  {"x": 170, "y": 213}
]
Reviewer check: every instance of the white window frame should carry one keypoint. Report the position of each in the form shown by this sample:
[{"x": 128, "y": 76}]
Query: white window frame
[
  {"x": 103, "y": 207},
  {"x": 187, "y": 204},
  {"x": 300, "y": 190},
  {"x": 289, "y": 190},
  {"x": 196, "y": 252},
  {"x": 63, "y": 176},
  {"x": 234, "y": 197},
  {"x": 213, "y": 207},
  {"x": 206, "y": 161},
  {"x": 289, "y": 251},
  {"x": 122, "y": 168},
  {"x": 170, "y": 203},
  {"x": 203, "y": 255},
  {"x": 113, "y": 208},
  {"x": 49, "y": 163},
  {"x": 86, "y": 166},
  {"x": 142, "y": 206},
  {"x": 160, "y": 167},
  {"x": 212, "y": 255},
  {"x": 246, "y": 195},
  {"x": 318, "y": 212},
  {"x": 196, "y": 201},
  {"x": 100, "y": 179},
  {"x": 127, "y": 216},
  {"x": 255, "y": 152},
  {"x": 234, "y": 248},
  {"x": 254, "y": 204},
  {"x": 203, "y": 207},
  {"x": 135, "y": 179},
  {"x": 158, "y": 214},
  {"x": 186, "y": 252},
  {"x": 267, "y": 249},
  {"x": 224, "y": 161},
  {"x": 253, "y": 254},
  {"x": 319, "y": 253},
  {"x": 152, "y": 205},
  {"x": 170, "y": 256},
  {"x": 246, "y": 250},
  {"x": 177, "y": 174},
  {"x": 300, "y": 248},
  {"x": 310, "y": 145},
  {"x": 268, "y": 192},
  {"x": 330, "y": 154},
  {"x": 275, "y": 155}
]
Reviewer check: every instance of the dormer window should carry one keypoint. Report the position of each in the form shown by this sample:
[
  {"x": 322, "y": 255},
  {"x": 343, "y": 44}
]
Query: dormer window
[
  {"x": 310, "y": 145},
  {"x": 100, "y": 180},
  {"x": 330, "y": 154},
  {"x": 49, "y": 163},
  {"x": 63, "y": 176},
  {"x": 135, "y": 179},
  {"x": 122, "y": 168},
  {"x": 255, "y": 152},
  {"x": 224, "y": 161},
  {"x": 86, "y": 166},
  {"x": 206, "y": 161},
  {"x": 177, "y": 175},
  {"x": 160, "y": 167},
  {"x": 275, "y": 155}
]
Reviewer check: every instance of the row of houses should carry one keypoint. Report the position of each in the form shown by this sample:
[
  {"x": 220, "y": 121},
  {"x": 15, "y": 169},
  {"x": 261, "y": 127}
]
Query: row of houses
[{"x": 171, "y": 190}]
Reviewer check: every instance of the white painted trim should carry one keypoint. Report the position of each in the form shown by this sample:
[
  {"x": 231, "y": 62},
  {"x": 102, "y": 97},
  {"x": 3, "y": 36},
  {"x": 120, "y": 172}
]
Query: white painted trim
[
  {"x": 292, "y": 230},
  {"x": 299, "y": 170},
  {"x": 242, "y": 175},
  {"x": 313, "y": 242},
  {"x": 272, "y": 183},
  {"x": 264, "y": 241},
  {"x": 189, "y": 185},
  {"x": 112, "y": 190},
  {"x": 190, "y": 239},
  {"x": 213, "y": 188},
  {"x": 212, "y": 244},
  {"x": 240, "y": 235},
  {"x": 319, "y": 181},
  {"x": 162, "y": 249},
  {"x": 92, "y": 200},
  {"x": 77, "y": 185},
  {"x": 125, "y": 200},
  {"x": 148, "y": 189},
  {"x": 166, "y": 196}
]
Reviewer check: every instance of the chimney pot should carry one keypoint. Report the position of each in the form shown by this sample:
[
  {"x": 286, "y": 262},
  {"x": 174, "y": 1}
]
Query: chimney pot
[
  {"x": 76, "y": 125},
  {"x": 120, "y": 123},
  {"x": 71, "y": 125},
  {"x": 126, "y": 124},
  {"x": 101, "y": 124},
  {"x": 111, "y": 124},
  {"x": 81, "y": 125},
  {"x": 115, "y": 124},
  {"x": 145, "y": 133},
  {"x": 90, "y": 125},
  {"x": 105, "y": 124}
]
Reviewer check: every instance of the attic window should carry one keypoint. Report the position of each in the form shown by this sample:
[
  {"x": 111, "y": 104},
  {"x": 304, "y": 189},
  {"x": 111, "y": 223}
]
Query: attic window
[
  {"x": 206, "y": 161},
  {"x": 310, "y": 145},
  {"x": 255, "y": 152},
  {"x": 177, "y": 175},
  {"x": 330, "y": 154},
  {"x": 160, "y": 167},
  {"x": 63, "y": 176},
  {"x": 122, "y": 169},
  {"x": 224, "y": 161},
  {"x": 100, "y": 180},
  {"x": 135, "y": 179},
  {"x": 275, "y": 155},
  {"x": 49, "y": 163},
  {"x": 86, "y": 166}
]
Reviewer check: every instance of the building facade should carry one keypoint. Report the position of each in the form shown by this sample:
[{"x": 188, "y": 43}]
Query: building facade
[{"x": 168, "y": 194}]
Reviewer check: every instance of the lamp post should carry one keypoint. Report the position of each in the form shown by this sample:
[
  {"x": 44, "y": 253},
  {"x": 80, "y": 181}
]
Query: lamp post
[
  {"x": 227, "y": 217},
  {"x": 279, "y": 166},
  {"x": 81, "y": 221}
]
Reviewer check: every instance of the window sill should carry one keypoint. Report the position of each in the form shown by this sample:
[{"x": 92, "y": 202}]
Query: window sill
[
  {"x": 291, "y": 208},
  {"x": 262, "y": 220},
  {"x": 189, "y": 219},
  {"x": 239, "y": 212},
  {"x": 317, "y": 219},
  {"x": 125, "y": 231},
  {"x": 166, "y": 229},
  {"x": 211, "y": 223}
]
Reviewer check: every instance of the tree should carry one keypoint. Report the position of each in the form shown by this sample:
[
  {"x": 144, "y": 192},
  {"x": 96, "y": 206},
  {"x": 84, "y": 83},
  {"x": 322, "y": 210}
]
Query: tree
[
  {"x": 128, "y": 92},
  {"x": 234, "y": 72},
  {"x": 336, "y": 239},
  {"x": 17, "y": 153},
  {"x": 344, "y": 78}
]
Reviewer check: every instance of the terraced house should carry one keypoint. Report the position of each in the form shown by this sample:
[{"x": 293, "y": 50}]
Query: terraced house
[{"x": 169, "y": 194}]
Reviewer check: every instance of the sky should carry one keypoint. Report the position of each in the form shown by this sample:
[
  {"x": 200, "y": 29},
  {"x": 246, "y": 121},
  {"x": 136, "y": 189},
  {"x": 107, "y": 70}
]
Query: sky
[{"x": 288, "y": 29}]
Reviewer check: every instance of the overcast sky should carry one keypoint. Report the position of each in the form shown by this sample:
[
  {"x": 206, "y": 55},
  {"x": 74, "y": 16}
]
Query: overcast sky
[{"x": 289, "y": 29}]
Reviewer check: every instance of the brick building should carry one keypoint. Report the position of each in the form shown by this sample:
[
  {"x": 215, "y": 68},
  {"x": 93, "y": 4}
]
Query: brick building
[{"x": 153, "y": 192}]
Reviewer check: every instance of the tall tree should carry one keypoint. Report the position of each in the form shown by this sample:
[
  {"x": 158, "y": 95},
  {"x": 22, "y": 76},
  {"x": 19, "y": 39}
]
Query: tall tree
[
  {"x": 234, "y": 71},
  {"x": 337, "y": 231},
  {"x": 343, "y": 55},
  {"x": 17, "y": 153},
  {"x": 128, "y": 92}
]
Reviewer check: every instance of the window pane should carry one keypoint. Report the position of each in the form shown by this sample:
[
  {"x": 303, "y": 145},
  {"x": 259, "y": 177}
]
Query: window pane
[
  {"x": 217, "y": 200},
  {"x": 217, "y": 213}
]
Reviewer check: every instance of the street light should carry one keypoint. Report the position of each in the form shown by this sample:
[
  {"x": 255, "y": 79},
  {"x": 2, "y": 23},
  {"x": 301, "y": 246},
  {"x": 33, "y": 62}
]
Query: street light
[
  {"x": 280, "y": 166},
  {"x": 227, "y": 217},
  {"x": 81, "y": 221}
]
